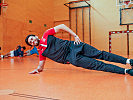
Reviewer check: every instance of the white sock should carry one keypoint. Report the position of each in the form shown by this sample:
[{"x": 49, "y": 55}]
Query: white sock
[
  {"x": 125, "y": 71},
  {"x": 1, "y": 56},
  {"x": 128, "y": 61}
]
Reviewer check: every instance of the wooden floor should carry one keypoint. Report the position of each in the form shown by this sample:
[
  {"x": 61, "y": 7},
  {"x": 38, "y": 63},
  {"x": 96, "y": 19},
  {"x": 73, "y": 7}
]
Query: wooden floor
[{"x": 61, "y": 82}]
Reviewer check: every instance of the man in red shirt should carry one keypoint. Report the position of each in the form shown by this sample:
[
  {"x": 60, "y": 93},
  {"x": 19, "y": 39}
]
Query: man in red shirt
[{"x": 75, "y": 52}]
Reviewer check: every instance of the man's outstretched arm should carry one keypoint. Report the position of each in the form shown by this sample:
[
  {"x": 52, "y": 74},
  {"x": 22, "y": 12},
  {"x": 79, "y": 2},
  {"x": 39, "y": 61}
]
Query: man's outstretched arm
[{"x": 67, "y": 29}]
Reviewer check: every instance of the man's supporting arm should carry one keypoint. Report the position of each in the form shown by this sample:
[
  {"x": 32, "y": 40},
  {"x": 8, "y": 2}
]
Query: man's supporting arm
[{"x": 39, "y": 68}]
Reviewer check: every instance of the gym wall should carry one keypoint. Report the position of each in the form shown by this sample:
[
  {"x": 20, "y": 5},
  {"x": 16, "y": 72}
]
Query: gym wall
[
  {"x": 105, "y": 17},
  {"x": 24, "y": 17},
  {"x": 15, "y": 24}
]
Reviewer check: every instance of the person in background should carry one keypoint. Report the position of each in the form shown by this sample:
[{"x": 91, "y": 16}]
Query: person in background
[{"x": 19, "y": 51}]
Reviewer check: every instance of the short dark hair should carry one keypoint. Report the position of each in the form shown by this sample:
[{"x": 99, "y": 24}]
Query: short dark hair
[
  {"x": 26, "y": 40},
  {"x": 24, "y": 47}
]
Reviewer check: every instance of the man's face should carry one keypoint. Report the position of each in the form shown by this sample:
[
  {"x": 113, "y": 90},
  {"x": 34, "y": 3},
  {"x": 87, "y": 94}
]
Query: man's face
[
  {"x": 33, "y": 40},
  {"x": 22, "y": 49}
]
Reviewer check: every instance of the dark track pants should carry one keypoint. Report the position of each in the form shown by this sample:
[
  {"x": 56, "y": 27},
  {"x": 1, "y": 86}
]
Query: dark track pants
[{"x": 84, "y": 55}]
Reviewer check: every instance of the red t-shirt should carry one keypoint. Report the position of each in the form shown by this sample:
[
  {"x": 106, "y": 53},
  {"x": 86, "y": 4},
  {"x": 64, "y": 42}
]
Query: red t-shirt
[{"x": 43, "y": 42}]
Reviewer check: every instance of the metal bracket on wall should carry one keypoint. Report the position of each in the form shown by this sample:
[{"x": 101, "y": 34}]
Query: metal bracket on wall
[{"x": 76, "y": 7}]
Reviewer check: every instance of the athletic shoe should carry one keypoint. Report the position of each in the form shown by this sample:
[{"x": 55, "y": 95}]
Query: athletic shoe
[
  {"x": 129, "y": 71},
  {"x": 131, "y": 63},
  {"x": 2, "y": 56}
]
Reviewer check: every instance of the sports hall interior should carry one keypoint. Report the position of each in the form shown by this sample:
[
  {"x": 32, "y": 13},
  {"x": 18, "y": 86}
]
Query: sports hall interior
[{"x": 91, "y": 23}]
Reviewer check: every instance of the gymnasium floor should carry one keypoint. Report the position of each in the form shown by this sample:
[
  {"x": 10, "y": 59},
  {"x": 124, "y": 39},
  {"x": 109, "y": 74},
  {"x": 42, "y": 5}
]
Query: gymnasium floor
[{"x": 60, "y": 82}]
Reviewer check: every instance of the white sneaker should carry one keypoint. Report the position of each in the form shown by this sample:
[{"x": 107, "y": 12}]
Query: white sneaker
[{"x": 2, "y": 56}]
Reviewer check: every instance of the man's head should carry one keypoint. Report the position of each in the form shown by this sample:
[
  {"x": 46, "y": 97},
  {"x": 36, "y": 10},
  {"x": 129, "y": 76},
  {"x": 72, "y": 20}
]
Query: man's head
[
  {"x": 23, "y": 48},
  {"x": 32, "y": 40}
]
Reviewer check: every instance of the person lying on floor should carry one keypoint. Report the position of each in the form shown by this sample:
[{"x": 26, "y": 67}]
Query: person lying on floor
[
  {"x": 75, "y": 52},
  {"x": 19, "y": 51}
]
